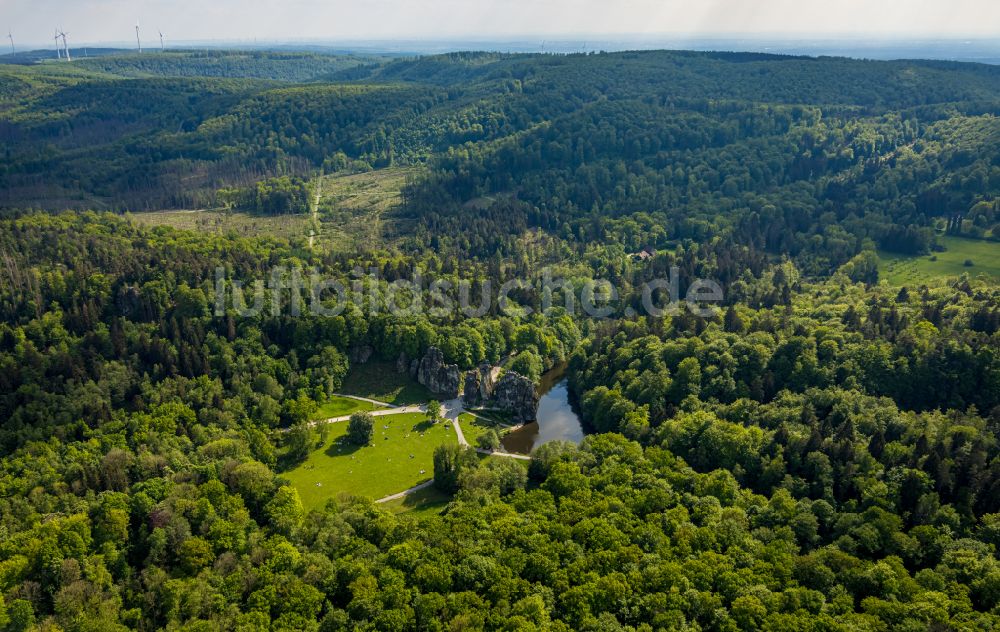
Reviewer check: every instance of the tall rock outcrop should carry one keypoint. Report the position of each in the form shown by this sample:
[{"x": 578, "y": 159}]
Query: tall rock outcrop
[
  {"x": 516, "y": 394},
  {"x": 441, "y": 379},
  {"x": 479, "y": 386}
]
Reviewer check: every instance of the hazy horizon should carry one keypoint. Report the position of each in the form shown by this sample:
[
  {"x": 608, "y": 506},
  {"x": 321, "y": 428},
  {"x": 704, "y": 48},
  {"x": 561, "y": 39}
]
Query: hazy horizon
[
  {"x": 949, "y": 49},
  {"x": 112, "y": 22}
]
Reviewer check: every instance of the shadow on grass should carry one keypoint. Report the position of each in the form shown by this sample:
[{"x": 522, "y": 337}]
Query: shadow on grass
[
  {"x": 422, "y": 426},
  {"x": 340, "y": 447},
  {"x": 381, "y": 381},
  {"x": 426, "y": 499},
  {"x": 494, "y": 418}
]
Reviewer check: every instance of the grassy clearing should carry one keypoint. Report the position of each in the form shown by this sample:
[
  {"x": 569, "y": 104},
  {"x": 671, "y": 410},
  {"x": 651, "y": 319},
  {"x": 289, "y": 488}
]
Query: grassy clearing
[
  {"x": 342, "y": 406},
  {"x": 222, "y": 223},
  {"x": 353, "y": 206},
  {"x": 902, "y": 270},
  {"x": 350, "y": 213},
  {"x": 430, "y": 501},
  {"x": 498, "y": 417},
  {"x": 422, "y": 504},
  {"x": 375, "y": 471},
  {"x": 381, "y": 381},
  {"x": 474, "y": 427}
]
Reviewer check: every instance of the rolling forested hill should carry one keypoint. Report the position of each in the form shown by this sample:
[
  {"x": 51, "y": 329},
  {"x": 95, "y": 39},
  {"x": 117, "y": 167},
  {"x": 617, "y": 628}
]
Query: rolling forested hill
[
  {"x": 882, "y": 149},
  {"x": 822, "y": 452}
]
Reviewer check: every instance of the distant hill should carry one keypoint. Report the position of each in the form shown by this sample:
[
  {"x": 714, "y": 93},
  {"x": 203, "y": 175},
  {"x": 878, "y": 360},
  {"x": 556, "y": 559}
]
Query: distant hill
[
  {"x": 282, "y": 66},
  {"x": 291, "y": 66},
  {"x": 774, "y": 148},
  {"x": 35, "y": 56}
]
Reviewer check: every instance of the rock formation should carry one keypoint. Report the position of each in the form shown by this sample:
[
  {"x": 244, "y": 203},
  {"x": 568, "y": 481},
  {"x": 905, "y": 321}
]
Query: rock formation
[
  {"x": 479, "y": 386},
  {"x": 516, "y": 394},
  {"x": 360, "y": 354},
  {"x": 130, "y": 301},
  {"x": 441, "y": 379}
]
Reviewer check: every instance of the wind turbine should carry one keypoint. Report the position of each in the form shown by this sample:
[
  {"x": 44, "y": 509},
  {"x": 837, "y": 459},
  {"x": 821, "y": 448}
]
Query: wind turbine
[
  {"x": 161, "y": 40},
  {"x": 137, "y": 40},
  {"x": 10, "y": 36},
  {"x": 65, "y": 45},
  {"x": 58, "y": 50}
]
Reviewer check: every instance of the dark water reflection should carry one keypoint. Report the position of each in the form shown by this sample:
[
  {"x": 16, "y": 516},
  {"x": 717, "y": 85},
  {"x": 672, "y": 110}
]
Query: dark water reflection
[{"x": 556, "y": 418}]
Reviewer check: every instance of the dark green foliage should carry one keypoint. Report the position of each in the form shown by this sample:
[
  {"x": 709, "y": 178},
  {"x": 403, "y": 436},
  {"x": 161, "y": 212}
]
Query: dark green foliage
[
  {"x": 360, "y": 428},
  {"x": 489, "y": 440},
  {"x": 821, "y": 454},
  {"x": 450, "y": 461},
  {"x": 836, "y": 496},
  {"x": 774, "y": 149},
  {"x": 276, "y": 196},
  {"x": 433, "y": 411}
]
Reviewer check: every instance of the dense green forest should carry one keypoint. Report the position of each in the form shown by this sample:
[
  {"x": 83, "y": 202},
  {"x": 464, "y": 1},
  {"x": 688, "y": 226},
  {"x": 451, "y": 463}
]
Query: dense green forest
[{"x": 820, "y": 453}]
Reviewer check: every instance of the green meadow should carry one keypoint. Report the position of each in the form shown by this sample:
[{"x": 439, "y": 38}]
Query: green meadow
[
  {"x": 473, "y": 427},
  {"x": 223, "y": 223},
  {"x": 904, "y": 270},
  {"x": 338, "y": 406},
  {"x": 401, "y": 456},
  {"x": 382, "y": 382}
]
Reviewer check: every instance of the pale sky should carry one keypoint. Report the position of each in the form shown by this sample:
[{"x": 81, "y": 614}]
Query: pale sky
[{"x": 96, "y": 21}]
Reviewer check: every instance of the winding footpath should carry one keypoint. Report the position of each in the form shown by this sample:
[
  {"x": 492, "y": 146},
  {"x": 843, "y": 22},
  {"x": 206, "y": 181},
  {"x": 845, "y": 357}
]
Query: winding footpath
[{"x": 451, "y": 411}]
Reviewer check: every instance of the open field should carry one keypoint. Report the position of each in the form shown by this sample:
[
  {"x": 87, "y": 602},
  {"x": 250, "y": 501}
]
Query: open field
[
  {"x": 351, "y": 211},
  {"x": 220, "y": 222},
  {"x": 400, "y": 457},
  {"x": 902, "y": 270},
  {"x": 341, "y": 406},
  {"x": 380, "y": 381}
]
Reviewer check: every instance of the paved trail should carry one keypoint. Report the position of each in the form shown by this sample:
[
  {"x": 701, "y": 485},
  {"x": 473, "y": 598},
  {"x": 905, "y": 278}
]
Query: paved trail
[
  {"x": 400, "y": 410},
  {"x": 412, "y": 490},
  {"x": 505, "y": 455},
  {"x": 451, "y": 410}
]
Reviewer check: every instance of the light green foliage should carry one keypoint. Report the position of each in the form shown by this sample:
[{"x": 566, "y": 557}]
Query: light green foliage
[
  {"x": 433, "y": 410},
  {"x": 488, "y": 440}
]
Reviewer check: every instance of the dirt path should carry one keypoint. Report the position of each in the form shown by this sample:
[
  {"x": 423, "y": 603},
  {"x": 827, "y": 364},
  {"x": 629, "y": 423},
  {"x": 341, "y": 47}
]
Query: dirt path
[
  {"x": 315, "y": 212},
  {"x": 370, "y": 401},
  {"x": 401, "y": 410},
  {"x": 412, "y": 490}
]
